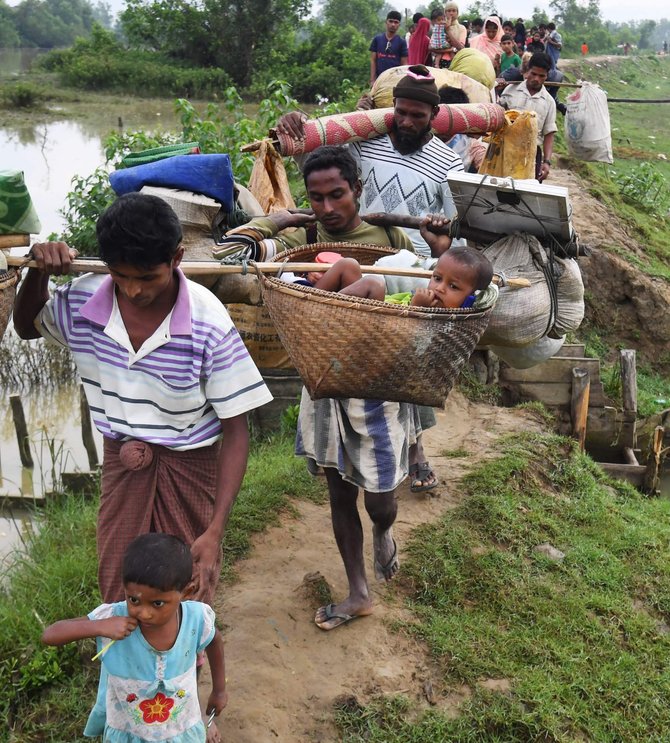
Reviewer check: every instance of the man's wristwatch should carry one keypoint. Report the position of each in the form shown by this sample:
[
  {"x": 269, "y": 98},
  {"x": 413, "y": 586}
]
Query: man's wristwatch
[{"x": 547, "y": 161}]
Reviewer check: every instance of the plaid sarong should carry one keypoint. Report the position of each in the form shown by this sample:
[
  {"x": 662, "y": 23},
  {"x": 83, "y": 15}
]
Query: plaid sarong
[
  {"x": 174, "y": 494},
  {"x": 366, "y": 441}
]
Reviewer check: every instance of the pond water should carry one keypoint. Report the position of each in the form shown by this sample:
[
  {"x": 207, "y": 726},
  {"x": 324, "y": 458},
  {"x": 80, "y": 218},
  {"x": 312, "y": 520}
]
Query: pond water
[
  {"x": 51, "y": 154},
  {"x": 54, "y": 425}
]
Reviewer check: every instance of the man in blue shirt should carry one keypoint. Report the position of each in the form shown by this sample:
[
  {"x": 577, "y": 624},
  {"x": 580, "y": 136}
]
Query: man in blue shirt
[{"x": 388, "y": 49}]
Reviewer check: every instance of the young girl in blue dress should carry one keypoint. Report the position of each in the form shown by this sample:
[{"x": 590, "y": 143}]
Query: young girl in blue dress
[{"x": 148, "y": 687}]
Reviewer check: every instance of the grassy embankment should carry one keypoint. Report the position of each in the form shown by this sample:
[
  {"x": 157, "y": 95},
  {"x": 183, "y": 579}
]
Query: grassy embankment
[
  {"x": 48, "y": 692},
  {"x": 639, "y": 136},
  {"x": 577, "y": 647}
]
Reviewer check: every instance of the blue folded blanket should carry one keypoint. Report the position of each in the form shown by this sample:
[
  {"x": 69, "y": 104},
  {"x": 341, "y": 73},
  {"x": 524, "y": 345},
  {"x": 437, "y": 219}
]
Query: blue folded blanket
[{"x": 210, "y": 175}]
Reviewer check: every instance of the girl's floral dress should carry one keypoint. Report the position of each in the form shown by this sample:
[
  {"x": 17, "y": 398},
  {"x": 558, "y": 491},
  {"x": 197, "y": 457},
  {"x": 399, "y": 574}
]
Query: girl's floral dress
[{"x": 146, "y": 694}]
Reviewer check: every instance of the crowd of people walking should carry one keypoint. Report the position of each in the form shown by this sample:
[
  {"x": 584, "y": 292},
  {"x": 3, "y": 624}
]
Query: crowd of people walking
[{"x": 436, "y": 40}]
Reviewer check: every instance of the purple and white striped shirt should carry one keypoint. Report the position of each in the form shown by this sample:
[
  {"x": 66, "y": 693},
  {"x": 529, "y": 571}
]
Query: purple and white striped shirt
[{"x": 191, "y": 372}]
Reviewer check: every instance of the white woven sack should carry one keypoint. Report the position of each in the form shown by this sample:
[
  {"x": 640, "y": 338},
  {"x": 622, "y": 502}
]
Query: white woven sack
[
  {"x": 522, "y": 316},
  {"x": 570, "y": 292},
  {"x": 587, "y": 124},
  {"x": 532, "y": 355}
]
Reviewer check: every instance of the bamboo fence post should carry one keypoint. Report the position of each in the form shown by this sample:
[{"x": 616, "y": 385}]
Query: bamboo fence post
[
  {"x": 87, "y": 430},
  {"x": 628, "y": 379},
  {"x": 653, "y": 472},
  {"x": 579, "y": 404},
  {"x": 21, "y": 430},
  {"x": 629, "y": 397}
]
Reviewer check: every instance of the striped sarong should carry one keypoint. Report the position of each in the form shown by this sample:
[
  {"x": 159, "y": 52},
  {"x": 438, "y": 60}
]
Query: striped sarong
[
  {"x": 366, "y": 441},
  {"x": 174, "y": 494},
  {"x": 461, "y": 118}
]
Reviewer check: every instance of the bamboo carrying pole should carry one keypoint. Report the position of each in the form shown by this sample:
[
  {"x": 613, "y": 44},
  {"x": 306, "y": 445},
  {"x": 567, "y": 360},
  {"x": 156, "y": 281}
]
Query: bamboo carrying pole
[
  {"x": 579, "y": 404},
  {"x": 200, "y": 268},
  {"x": 14, "y": 241},
  {"x": 548, "y": 84}
]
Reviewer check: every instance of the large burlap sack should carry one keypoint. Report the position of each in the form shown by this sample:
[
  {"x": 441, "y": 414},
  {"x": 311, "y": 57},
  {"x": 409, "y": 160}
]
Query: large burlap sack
[
  {"x": 587, "y": 124},
  {"x": 476, "y": 65},
  {"x": 523, "y": 316},
  {"x": 511, "y": 150},
  {"x": 382, "y": 90}
]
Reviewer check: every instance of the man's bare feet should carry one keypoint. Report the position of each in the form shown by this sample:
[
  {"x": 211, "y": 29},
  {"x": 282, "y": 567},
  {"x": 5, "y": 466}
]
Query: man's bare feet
[{"x": 385, "y": 552}]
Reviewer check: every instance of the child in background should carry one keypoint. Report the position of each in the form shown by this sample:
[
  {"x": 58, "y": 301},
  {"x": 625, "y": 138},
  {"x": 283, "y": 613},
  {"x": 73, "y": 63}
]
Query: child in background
[
  {"x": 509, "y": 57},
  {"x": 438, "y": 38},
  {"x": 458, "y": 274},
  {"x": 148, "y": 688},
  {"x": 585, "y": 48}
]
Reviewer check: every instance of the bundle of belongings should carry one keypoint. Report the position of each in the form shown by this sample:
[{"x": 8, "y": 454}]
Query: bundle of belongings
[
  {"x": 200, "y": 188},
  {"x": 529, "y": 325},
  {"x": 17, "y": 213}
]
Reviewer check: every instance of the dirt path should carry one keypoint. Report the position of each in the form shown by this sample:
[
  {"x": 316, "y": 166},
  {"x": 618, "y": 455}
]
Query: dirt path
[{"x": 283, "y": 672}]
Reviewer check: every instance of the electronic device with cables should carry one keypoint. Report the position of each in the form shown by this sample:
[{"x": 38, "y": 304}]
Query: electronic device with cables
[{"x": 505, "y": 206}]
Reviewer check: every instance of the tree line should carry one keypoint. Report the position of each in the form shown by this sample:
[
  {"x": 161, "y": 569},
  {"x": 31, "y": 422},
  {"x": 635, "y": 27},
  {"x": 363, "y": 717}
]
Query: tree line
[{"x": 250, "y": 43}]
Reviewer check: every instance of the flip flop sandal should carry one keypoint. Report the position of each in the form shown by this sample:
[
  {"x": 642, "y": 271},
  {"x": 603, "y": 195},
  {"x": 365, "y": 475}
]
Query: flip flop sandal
[
  {"x": 333, "y": 619},
  {"x": 419, "y": 472},
  {"x": 386, "y": 572}
]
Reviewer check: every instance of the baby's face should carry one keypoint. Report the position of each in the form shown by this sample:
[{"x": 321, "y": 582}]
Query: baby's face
[{"x": 452, "y": 281}]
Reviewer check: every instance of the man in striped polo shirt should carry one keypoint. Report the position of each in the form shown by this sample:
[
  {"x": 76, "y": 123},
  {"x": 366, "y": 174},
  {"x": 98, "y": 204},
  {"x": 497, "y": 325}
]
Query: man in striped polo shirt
[{"x": 168, "y": 381}]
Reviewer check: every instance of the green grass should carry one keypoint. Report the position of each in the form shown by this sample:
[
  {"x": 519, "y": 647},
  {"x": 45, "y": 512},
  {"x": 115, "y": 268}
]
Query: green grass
[
  {"x": 579, "y": 641},
  {"x": 48, "y": 692}
]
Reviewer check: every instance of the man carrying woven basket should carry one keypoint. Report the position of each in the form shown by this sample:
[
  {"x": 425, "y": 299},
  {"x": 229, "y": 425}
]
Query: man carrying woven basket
[
  {"x": 404, "y": 172},
  {"x": 359, "y": 443}
]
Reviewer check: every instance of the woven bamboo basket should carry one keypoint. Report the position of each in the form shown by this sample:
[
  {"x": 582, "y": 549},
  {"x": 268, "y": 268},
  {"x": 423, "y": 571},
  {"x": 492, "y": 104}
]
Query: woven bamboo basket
[
  {"x": 8, "y": 281},
  {"x": 348, "y": 347}
]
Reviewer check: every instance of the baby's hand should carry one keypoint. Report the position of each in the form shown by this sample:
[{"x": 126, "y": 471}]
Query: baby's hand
[
  {"x": 314, "y": 276},
  {"x": 424, "y": 298},
  {"x": 116, "y": 628}
]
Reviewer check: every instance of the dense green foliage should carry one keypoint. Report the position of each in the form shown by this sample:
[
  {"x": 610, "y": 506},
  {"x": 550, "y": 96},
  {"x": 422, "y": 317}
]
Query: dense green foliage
[
  {"x": 175, "y": 47},
  {"x": 578, "y": 645},
  {"x": 48, "y": 23},
  {"x": 48, "y": 692},
  {"x": 101, "y": 62}
]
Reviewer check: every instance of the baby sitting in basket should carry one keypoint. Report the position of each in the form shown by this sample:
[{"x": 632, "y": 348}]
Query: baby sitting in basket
[{"x": 459, "y": 279}]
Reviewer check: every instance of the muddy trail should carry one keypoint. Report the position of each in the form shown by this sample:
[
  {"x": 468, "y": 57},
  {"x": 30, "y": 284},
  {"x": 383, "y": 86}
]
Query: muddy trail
[{"x": 284, "y": 673}]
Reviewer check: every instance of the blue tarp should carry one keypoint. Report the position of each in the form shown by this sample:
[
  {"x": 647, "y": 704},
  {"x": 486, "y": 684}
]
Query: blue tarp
[{"x": 210, "y": 175}]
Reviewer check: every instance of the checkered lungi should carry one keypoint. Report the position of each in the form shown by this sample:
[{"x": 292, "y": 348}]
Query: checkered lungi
[{"x": 174, "y": 494}]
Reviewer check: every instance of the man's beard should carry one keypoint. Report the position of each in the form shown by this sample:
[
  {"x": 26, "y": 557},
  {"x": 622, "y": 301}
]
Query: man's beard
[{"x": 407, "y": 143}]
